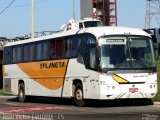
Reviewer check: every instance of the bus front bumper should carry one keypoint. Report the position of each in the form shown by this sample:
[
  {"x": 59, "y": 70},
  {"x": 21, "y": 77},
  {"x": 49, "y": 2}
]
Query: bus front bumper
[{"x": 127, "y": 91}]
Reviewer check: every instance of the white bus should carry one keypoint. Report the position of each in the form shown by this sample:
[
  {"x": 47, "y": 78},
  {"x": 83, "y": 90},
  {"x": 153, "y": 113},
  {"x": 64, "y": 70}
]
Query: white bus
[{"x": 103, "y": 63}]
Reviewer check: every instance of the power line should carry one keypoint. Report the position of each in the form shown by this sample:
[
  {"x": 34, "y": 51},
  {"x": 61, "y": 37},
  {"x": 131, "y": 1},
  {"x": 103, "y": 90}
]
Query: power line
[
  {"x": 26, "y": 5},
  {"x": 7, "y": 6}
]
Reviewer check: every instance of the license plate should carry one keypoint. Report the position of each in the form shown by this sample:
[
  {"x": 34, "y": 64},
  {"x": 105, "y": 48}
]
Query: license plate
[{"x": 133, "y": 90}]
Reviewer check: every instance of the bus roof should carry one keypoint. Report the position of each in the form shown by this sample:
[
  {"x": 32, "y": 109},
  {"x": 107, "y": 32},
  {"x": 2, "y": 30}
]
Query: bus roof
[
  {"x": 97, "y": 31},
  {"x": 111, "y": 30}
]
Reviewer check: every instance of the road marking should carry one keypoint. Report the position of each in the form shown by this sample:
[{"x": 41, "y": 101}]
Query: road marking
[{"x": 30, "y": 109}]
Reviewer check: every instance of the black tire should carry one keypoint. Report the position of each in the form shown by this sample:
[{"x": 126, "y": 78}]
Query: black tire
[
  {"x": 21, "y": 93},
  {"x": 78, "y": 95}
]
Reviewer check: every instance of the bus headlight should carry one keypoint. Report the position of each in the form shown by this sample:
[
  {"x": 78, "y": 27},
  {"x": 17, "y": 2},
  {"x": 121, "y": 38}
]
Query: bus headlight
[{"x": 152, "y": 86}]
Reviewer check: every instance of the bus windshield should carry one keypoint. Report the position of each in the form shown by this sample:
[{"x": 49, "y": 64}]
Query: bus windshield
[
  {"x": 126, "y": 52},
  {"x": 92, "y": 24}
]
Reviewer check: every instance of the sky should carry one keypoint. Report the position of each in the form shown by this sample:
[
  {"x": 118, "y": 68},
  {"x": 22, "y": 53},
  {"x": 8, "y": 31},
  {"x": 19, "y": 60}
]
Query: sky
[{"x": 51, "y": 14}]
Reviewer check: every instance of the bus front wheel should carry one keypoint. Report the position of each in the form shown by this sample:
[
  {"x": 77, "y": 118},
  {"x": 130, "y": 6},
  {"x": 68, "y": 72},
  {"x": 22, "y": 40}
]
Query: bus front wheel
[
  {"x": 21, "y": 93},
  {"x": 78, "y": 95}
]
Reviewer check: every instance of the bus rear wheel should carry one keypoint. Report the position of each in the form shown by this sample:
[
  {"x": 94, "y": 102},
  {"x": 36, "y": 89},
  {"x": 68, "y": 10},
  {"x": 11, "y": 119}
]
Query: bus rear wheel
[
  {"x": 21, "y": 93},
  {"x": 78, "y": 95}
]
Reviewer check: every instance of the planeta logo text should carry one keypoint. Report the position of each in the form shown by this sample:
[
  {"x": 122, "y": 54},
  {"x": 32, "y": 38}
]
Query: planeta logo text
[{"x": 52, "y": 65}]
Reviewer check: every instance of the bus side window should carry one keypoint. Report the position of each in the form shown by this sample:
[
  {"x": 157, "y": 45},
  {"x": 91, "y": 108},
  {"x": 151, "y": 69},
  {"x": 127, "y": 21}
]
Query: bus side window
[
  {"x": 52, "y": 49},
  {"x": 44, "y": 50},
  {"x": 14, "y": 54},
  {"x": 17, "y": 54},
  {"x": 38, "y": 51},
  {"x": 67, "y": 46},
  {"x": 7, "y": 55},
  {"x": 59, "y": 48},
  {"x": 74, "y": 46},
  {"x": 87, "y": 51},
  {"x": 26, "y": 53},
  {"x": 71, "y": 45},
  {"x": 93, "y": 62},
  {"x": 31, "y": 52},
  {"x": 41, "y": 50}
]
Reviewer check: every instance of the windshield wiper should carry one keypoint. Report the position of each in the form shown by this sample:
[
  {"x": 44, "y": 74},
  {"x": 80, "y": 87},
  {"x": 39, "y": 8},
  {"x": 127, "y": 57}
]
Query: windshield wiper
[
  {"x": 131, "y": 63},
  {"x": 139, "y": 62},
  {"x": 124, "y": 64}
]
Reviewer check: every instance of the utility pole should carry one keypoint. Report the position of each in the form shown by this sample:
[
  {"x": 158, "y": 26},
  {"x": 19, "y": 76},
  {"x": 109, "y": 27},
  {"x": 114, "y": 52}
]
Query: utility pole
[
  {"x": 152, "y": 11},
  {"x": 73, "y": 10},
  {"x": 32, "y": 33}
]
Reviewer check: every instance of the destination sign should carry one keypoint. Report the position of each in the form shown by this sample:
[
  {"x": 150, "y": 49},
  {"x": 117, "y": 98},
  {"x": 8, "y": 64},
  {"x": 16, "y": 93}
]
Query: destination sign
[{"x": 115, "y": 40}]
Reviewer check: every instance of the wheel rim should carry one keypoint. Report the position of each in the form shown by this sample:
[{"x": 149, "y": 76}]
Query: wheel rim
[
  {"x": 21, "y": 94},
  {"x": 79, "y": 94}
]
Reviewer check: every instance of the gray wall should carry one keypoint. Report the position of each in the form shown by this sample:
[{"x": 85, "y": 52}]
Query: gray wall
[{"x": 86, "y": 9}]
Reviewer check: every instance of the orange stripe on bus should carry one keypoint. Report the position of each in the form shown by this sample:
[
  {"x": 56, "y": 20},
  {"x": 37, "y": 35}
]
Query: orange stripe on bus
[{"x": 49, "y": 74}]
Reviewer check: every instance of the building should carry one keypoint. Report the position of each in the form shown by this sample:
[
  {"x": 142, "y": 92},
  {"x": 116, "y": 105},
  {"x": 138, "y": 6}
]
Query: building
[{"x": 105, "y": 10}]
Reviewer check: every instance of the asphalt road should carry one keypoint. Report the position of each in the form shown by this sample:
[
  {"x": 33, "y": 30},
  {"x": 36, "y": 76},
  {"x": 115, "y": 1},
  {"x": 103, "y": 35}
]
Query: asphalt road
[{"x": 63, "y": 109}]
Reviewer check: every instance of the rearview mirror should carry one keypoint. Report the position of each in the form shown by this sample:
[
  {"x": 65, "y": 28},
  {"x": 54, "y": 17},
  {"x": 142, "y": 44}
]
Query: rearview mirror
[{"x": 156, "y": 52}]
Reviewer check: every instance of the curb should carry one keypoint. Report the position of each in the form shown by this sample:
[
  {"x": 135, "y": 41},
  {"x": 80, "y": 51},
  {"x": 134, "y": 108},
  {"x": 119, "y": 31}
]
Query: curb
[
  {"x": 156, "y": 103},
  {"x": 7, "y": 97}
]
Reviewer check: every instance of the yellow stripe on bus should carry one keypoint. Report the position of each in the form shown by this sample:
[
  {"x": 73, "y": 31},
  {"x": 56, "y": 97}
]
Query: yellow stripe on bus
[
  {"x": 49, "y": 74},
  {"x": 119, "y": 79}
]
